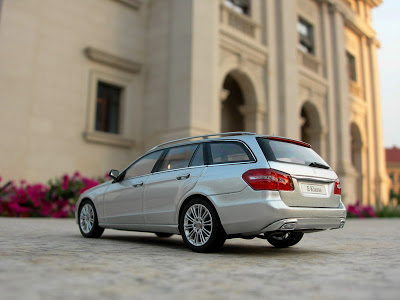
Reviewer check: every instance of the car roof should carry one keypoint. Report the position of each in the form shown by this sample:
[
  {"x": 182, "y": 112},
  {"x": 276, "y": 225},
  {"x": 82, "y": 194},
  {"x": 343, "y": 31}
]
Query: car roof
[{"x": 241, "y": 135}]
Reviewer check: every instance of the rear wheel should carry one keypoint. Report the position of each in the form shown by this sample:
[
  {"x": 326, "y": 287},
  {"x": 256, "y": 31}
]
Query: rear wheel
[
  {"x": 163, "y": 234},
  {"x": 88, "y": 222},
  {"x": 200, "y": 227},
  {"x": 284, "y": 239}
]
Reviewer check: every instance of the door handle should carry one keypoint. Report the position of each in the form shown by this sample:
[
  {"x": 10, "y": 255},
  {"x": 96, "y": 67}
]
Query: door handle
[
  {"x": 182, "y": 177},
  {"x": 136, "y": 185}
]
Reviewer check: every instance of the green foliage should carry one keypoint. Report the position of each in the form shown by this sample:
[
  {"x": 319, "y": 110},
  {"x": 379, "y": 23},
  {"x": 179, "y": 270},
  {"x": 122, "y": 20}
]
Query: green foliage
[{"x": 388, "y": 211}]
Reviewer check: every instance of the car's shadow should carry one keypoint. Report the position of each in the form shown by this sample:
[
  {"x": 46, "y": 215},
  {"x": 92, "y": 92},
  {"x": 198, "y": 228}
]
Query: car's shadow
[{"x": 230, "y": 248}]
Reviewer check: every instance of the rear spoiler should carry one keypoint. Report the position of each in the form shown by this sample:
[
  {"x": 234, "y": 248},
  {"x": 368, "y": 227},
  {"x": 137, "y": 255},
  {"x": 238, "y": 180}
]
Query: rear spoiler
[{"x": 286, "y": 140}]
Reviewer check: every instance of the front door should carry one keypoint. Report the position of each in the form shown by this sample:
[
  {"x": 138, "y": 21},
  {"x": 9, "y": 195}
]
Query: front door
[{"x": 123, "y": 200}]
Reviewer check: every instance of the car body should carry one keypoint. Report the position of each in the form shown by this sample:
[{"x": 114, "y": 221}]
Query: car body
[{"x": 251, "y": 185}]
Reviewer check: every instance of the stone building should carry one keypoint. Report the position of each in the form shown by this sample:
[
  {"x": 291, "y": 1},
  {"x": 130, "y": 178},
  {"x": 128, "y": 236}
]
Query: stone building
[
  {"x": 91, "y": 84},
  {"x": 393, "y": 168}
]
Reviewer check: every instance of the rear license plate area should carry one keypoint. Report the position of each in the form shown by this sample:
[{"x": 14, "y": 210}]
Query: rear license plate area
[{"x": 313, "y": 189}]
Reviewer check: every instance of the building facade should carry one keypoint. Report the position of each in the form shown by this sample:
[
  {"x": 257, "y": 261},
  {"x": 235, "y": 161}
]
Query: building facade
[
  {"x": 393, "y": 168},
  {"x": 89, "y": 85}
]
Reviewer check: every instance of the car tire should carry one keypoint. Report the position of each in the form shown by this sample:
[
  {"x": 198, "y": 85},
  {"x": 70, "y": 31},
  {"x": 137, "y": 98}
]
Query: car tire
[
  {"x": 163, "y": 234},
  {"x": 88, "y": 222},
  {"x": 203, "y": 233},
  {"x": 285, "y": 239}
]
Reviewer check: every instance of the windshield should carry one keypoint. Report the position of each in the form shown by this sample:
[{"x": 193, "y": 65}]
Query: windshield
[{"x": 289, "y": 153}]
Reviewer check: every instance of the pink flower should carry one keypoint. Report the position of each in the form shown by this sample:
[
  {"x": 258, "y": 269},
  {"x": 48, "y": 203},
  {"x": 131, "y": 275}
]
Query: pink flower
[
  {"x": 16, "y": 208},
  {"x": 64, "y": 184},
  {"x": 45, "y": 209}
]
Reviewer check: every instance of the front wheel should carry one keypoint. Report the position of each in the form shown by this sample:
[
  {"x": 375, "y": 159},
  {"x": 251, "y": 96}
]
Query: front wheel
[
  {"x": 88, "y": 222},
  {"x": 200, "y": 227},
  {"x": 284, "y": 239}
]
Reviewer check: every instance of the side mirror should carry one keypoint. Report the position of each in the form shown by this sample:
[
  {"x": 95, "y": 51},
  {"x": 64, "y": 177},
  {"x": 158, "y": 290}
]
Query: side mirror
[{"x": 113, "y": 174}]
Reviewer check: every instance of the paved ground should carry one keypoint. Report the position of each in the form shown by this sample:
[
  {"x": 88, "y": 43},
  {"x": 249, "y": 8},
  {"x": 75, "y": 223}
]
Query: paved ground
[{"x": 48, "y": 259}]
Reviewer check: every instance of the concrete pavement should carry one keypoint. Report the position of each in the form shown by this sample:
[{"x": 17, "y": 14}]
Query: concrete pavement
[{"x": 48, "y": 259}]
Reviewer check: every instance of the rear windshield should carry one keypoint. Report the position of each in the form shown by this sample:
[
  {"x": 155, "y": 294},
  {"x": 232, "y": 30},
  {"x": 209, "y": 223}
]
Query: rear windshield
[{"x": 289, "y": 153}]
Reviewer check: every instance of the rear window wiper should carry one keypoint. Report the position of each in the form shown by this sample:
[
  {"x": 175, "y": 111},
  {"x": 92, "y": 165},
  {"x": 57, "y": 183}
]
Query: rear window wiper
[{"x": 318, "y": 165}]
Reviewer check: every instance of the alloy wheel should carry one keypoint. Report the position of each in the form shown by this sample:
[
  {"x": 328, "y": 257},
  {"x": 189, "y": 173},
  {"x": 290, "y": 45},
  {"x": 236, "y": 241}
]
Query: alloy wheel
[
  {"x": 198, "y": 224},
  {"x": 86, "y": 218}
]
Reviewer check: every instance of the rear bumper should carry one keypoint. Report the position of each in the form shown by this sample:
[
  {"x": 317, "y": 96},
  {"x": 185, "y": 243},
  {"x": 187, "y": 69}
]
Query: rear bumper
[
  {"x": 240, "y": 213},
  {"x": 305, "y": 224}
]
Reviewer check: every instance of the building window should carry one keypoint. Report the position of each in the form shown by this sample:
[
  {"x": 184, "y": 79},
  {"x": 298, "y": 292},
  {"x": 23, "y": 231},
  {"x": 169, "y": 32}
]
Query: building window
[
  {"x": 240, "y": 6},
  {"x": 306, "y": 36},
  {"x": 391, "y": 175},
  {"x": 351, "y": 66},
  {"x": 108, "y": 107}
]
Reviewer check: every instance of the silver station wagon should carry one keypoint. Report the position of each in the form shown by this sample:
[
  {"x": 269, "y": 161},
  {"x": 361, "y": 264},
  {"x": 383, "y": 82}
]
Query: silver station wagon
[{"x": 214, "y": 187}]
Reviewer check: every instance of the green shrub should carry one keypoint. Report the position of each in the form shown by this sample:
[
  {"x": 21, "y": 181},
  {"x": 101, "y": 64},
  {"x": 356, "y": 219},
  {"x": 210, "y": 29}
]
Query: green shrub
[{"x": 388, "y": 211}]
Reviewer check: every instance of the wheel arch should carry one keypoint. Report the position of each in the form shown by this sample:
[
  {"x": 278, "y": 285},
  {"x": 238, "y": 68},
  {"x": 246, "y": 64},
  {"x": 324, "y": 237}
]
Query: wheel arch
[
  {"x": 79, "y": 204},
  {"x": 194, "y": 196}
]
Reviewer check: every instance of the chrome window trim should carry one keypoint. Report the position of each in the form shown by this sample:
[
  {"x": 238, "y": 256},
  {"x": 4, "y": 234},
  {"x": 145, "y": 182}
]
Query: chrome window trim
[
  {"x": 180, "y": 169},
  {"x": 190, "y": 167},
  {"x": 232, "y": 163}
]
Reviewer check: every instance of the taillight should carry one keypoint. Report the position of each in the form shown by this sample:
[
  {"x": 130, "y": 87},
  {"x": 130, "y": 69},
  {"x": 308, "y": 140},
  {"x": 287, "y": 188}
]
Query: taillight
[
  {"x": 268, "y": 179},
  {"x": 338, "y": 189}
]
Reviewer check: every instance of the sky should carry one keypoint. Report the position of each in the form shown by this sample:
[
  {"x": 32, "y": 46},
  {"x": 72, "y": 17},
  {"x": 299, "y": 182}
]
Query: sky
[{"x": 386, "y": 22}]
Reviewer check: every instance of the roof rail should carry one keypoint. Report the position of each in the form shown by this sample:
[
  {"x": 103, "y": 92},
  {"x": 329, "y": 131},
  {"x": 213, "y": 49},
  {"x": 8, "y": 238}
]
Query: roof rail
[{"x": 206, "y": 136}]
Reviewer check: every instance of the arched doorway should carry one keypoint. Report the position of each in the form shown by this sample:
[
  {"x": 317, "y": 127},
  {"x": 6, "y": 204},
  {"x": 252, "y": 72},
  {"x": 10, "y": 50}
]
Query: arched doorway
[
  {"x": 240, "y": 110},
  {"x": 232, "y": 118},
  {"x": 356, "y": 158},
  {"x": 311, "y": 129}
]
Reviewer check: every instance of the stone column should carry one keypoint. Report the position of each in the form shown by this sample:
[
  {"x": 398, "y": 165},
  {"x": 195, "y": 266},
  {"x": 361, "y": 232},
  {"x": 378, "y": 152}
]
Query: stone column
[
  {"x": 344, "y": 168},
  {"x": 286, "y": 67},
  {"x": 370, "y": 171},
  {"x": 329, "y": 73},
  {"x": 253, "y": 117},
  {"x": 381, "y": 179},
  {"x": 272, "y": 90},
  {"x": 192, "y": 65}
]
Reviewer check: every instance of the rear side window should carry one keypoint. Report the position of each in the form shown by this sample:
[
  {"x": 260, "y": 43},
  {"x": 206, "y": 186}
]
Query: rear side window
[
  {"x": 289, "y": 153},
  {"x": 178, "y": 157},
  {"x": 229, "y": 152}
]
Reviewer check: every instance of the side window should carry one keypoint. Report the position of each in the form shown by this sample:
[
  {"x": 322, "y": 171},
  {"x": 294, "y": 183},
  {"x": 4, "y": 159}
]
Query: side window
[
  {"x": 178, "y": 157},
  {"x": 198, "y": 158},
  {"x": 144, "y": 165},
  {"x": 228, "y": 152}
]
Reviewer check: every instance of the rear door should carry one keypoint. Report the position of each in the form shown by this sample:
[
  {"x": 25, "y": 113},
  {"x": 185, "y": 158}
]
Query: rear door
[
  {"x": 176, "y": 175},
  {"x": 228, "y": 160},
  {"x": 313, "y": 179}
]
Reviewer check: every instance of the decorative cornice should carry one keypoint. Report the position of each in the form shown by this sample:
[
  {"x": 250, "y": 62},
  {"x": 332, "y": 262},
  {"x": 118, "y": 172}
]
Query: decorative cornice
[
  {"x": 135, "y": 4},
  {"x": 352, "y": 21},
  {"x": 112, "y": 60},
  {"x": 374, "y": 41},
  {"x": 374, "y": 3}
]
